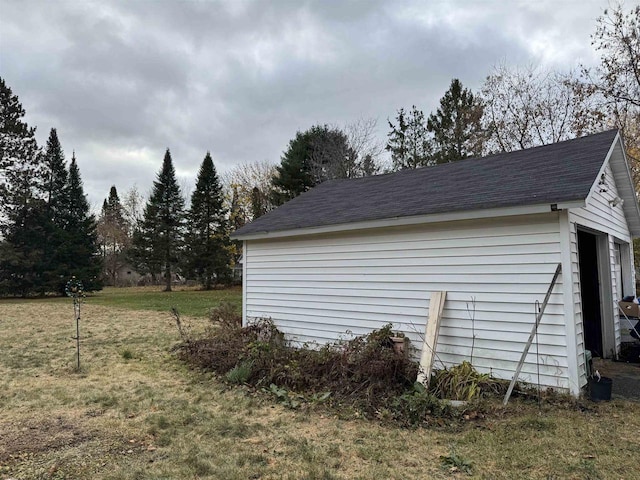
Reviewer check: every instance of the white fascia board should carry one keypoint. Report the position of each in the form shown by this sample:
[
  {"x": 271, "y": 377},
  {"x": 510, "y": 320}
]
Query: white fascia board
[
  {"x": 414, "y": 220},
  {"x": 633, "y": 225}
]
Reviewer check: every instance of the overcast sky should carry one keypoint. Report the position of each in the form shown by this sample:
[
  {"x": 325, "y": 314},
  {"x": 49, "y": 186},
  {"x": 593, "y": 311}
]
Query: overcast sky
[{"x": 122, "y": 81}]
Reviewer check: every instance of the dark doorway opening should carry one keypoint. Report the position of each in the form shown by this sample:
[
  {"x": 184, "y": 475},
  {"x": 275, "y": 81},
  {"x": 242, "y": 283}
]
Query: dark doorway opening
[{"x": 590, "y": 292}]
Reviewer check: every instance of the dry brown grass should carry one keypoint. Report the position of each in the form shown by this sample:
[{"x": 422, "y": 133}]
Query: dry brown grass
[{"x": 135, "y": 411}]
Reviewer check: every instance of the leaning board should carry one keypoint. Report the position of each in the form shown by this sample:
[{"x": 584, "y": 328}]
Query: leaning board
[{"x": 430, "y": 342}]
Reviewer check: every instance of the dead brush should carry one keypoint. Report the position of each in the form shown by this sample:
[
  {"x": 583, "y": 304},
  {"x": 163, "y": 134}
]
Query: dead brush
[
  {"x": 225, "y": 314},
  {"x": 365, "y": 373}
]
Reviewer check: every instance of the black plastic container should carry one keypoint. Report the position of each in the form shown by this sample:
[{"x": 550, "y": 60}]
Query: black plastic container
[{"x": 600, "y": 390}]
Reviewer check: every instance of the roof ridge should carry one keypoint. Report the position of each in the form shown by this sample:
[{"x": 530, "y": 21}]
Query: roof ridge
[{"x": 406, "y": 171}]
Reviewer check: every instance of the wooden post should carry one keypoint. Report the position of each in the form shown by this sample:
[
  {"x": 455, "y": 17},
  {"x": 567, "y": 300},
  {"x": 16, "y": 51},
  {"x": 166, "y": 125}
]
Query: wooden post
[{"x": 436, "y": 305}]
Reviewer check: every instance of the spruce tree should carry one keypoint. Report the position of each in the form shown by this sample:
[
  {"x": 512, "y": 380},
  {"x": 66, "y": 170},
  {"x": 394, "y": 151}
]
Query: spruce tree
[
  {"x": 208, "y": 244},
  {"x": 56, "y": 178},
  {"x": 158, "y": 243},
  {"x": 456, "y": 126},
  {"x": 80, "y": 250},
  {"x": 55, "y": 264}
]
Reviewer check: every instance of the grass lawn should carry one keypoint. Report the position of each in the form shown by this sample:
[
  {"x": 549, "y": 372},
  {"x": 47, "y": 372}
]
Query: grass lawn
[
  {"x": 189, "y": 301},
  {"x": 135, "y": 412}
]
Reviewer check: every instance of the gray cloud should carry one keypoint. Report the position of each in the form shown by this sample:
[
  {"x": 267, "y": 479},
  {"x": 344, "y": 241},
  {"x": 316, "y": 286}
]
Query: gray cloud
[{"x": 121, "y": 81}]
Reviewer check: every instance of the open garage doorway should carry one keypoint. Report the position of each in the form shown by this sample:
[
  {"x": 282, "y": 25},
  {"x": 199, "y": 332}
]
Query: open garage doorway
[{"x": 595, "y": 292}]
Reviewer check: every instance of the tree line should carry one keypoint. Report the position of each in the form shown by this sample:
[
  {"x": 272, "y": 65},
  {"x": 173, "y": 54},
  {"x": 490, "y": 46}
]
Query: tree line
[
  {"x": 515, "y": 108},
  {"x": 166, "y": 237},
  {"x": 47, "y": 232}
]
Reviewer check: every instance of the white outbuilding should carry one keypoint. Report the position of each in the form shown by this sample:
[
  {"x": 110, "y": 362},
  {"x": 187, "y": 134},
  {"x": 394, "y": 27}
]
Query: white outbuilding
[{"x": 353, "y": 255}]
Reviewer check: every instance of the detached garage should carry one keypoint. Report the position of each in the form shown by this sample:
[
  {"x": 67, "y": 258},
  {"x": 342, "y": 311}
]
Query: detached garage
[{"x": 350, "y": 256}]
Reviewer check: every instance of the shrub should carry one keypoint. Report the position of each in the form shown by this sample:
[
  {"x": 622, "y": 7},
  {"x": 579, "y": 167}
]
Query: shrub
[
  {"x": 414, "y": 406},
  {"x": 239, "y": 374},
  {"x": 463, "y": 382},
  {"x": 127, "y": 354}
]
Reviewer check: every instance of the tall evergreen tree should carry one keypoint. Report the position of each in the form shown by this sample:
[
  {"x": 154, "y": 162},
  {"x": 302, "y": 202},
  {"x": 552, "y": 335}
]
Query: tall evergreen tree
[
  {"x": 56, "y": 178},
  {"x": 20, "y": 162},
  {"x": 113, "y": 235},
  {"x": 158, "y": 243},
  {"x": 409, "y": 142},
  {"x": 55, "y": 264},
  {"x": 81, "y": 242},
  {"x": 207, "y": 241},
  {"x": 457, "y": 125},
  {"x": 293, "y": 175}
]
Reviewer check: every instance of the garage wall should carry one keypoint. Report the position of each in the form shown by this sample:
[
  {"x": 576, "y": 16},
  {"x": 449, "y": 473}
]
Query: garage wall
[
  {"x": 599, "y": 215},
  {"x": 322, "y": 288}
]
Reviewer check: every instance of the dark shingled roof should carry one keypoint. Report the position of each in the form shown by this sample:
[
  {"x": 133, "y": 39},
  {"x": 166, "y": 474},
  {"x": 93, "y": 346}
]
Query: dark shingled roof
[{"x": 555, "y": 173}]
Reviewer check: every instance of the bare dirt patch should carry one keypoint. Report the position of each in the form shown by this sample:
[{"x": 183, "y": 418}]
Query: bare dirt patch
[{"x": 23, "y": 437}]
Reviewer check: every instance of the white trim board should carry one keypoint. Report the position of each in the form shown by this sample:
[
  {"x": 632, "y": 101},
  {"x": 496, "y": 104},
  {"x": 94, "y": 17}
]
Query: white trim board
[{"x": 415, "y": 220}]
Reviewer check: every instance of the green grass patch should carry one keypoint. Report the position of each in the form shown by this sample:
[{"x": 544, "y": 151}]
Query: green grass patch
[{"x": 189, "y": 302}]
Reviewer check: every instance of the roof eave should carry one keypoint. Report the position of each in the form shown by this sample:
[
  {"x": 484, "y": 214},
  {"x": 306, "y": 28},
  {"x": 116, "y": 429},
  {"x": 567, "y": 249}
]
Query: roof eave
[{"x": 414, "y": 220}]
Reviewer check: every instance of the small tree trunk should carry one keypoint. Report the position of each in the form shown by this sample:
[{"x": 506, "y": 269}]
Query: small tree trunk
[{"x": 168, "y": 278}]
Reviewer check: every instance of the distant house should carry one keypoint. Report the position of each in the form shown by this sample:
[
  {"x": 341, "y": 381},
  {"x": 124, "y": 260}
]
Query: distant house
[
  {"x": 127, "y": 276},
  {"x": 354, "y": 255}
]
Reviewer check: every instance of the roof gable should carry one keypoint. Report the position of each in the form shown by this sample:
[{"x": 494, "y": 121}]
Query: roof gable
[
  {"x": 552, "y": 174},
  {"x": 624, "y": 184}
]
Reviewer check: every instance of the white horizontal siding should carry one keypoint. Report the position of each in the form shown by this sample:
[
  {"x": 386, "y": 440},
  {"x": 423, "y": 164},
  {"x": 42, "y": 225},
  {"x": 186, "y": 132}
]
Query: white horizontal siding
[
  {"x": 323, "y": 288},
  {"x": 600, "y": 215}
]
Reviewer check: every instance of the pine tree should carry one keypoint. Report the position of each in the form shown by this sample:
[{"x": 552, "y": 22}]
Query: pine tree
[
  {"x": 158, "y": 243},
  {"x": 22, "y": 251},
  {"x": 409, "y": 141},
  {"x": 20, "y": 162},
  {"x": 208, "y": 244},
  {"x": 293, "y": 175},
  {"x": 318, "y": 154},
  {"x": 457, "y": 125}
]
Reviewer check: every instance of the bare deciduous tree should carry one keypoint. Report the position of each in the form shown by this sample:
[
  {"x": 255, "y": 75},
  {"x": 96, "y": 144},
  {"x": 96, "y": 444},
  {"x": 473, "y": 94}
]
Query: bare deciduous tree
[
  {"x": 365, "y": 145},
  {"x": 616, "y": 82},
  {"x": 133, "y": 208},
  {"x": 244, "y": 178},
  {"x": 525, "y": 107}
]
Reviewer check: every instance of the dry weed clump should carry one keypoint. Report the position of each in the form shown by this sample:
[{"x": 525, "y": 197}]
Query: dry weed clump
[{"x": 365, "y": 373}]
